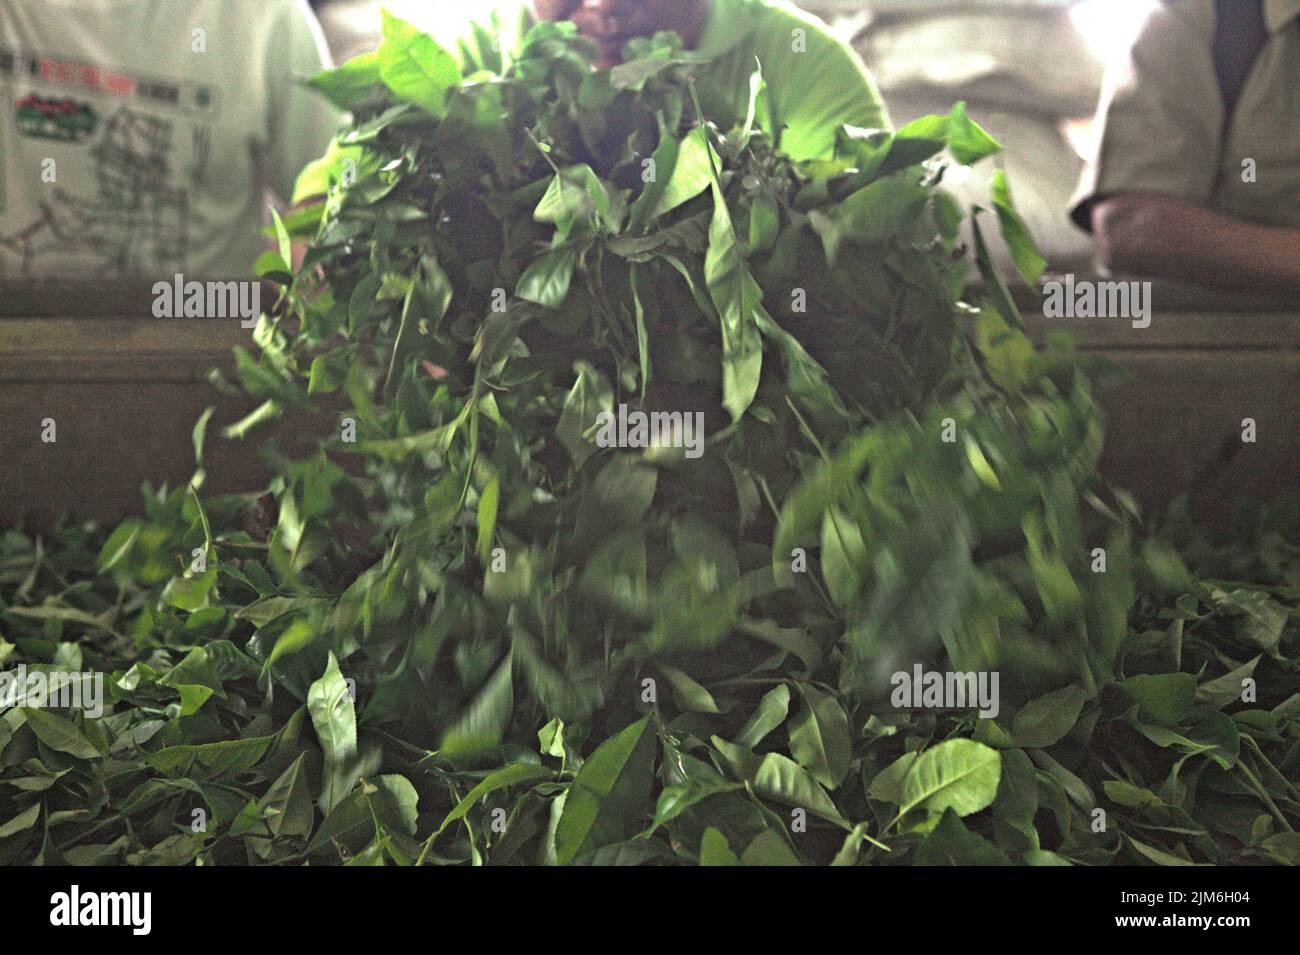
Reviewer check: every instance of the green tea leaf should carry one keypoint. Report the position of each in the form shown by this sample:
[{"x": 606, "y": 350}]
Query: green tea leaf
[
  {"x": 60, "y": 734},
  {"x": 1164, "y": 699},
  {"x": 414, "y": 66},
  {"x": 590, "y": 395},
  {"x": 1024, "y": 252},
  {"x": 770, "y": 713},
  {"x": 548, "y": 279},
  {"x": 958, "y": 774},
  {"x": 487, "y": 518},
  {"x": 1046, "y": 720},
  {"x": 714, "y": 849},
  {"x": 513, "y": 775},
  {"x": 610, "y": 794},
  {"x": 819, "y": 736},
  {"x": 329, "y": 702},
  {"x": 736, "y": 296},
  {"x": 951, "y": 843}
]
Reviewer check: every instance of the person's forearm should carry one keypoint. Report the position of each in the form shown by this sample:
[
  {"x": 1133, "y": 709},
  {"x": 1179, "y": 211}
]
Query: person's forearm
[{"x": 1166, "y": 237}]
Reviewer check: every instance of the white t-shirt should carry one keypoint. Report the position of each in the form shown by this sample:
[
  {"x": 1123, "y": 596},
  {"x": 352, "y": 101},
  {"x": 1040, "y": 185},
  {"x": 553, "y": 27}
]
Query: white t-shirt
[{"x": 138, "y": 137}]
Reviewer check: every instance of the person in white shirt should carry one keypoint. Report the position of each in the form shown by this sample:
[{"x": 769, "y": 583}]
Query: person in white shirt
[{"x": 139, "y": 138}]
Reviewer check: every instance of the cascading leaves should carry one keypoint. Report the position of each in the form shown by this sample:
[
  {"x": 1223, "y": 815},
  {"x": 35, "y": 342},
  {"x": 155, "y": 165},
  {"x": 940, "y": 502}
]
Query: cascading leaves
[{"x": 460, "y": 630}]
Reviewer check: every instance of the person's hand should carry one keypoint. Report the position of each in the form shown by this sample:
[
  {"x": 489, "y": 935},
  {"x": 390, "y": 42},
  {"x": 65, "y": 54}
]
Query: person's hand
[
  {"x": 555, "y": 9},
  {"x": 1167, "y": 237},
  {"x": 611, "y": 23}
]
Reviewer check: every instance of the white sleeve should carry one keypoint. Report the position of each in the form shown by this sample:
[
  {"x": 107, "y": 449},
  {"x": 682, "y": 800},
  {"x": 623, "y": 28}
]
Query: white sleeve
[{"x": 299, "y": 121}]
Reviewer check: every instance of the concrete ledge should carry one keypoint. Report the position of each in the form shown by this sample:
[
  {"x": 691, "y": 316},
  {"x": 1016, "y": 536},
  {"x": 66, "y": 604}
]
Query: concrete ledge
[
  {"x": 1205, "y": 331},
  {"x": 1174, "y": 426},
  {"x": 115, "y": 349},
  {"x": 125, "y": 394},
  {"x": 112, "y": 437}
]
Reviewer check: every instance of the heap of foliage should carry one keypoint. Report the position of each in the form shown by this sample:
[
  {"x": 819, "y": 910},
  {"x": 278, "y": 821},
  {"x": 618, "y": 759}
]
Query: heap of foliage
[{"x": 463, "y": 632}]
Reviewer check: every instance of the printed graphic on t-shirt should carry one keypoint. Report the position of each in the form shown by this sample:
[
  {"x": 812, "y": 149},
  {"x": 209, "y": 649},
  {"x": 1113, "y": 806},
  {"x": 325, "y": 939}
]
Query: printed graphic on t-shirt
[
  {"x": 191, "y": 99},
  {"x": 149, "y": 140},
  {"x": 62, "y": 119}
]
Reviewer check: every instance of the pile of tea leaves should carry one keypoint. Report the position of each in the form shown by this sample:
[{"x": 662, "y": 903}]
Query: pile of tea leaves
[{"x": 466, "y": 631}]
